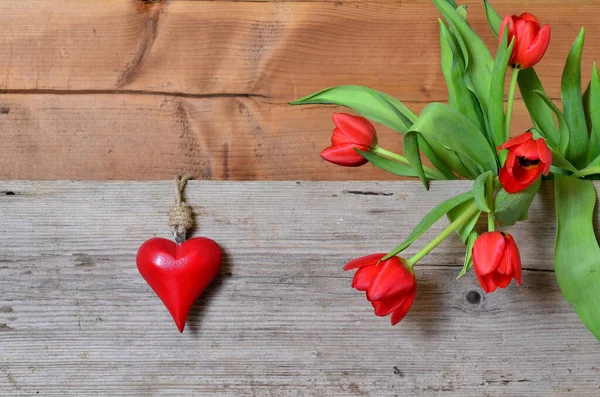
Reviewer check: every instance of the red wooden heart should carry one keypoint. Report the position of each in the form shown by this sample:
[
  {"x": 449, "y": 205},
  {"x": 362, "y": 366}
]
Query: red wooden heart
[{"x": 179, "y": 273}]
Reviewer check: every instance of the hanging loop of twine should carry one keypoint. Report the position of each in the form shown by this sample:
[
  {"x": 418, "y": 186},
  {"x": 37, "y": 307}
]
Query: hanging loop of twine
[{"x": 180, "y": 213}]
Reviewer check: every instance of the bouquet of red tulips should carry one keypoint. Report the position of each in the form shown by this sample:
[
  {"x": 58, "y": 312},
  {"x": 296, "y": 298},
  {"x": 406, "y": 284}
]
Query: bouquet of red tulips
[{"x": 470, "y": 138}]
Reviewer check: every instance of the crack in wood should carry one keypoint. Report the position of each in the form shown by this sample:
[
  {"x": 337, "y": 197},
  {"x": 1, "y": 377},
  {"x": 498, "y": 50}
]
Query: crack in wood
[
  {"x": 367, "y": 193},
  {"x": 132, "y": 92}
]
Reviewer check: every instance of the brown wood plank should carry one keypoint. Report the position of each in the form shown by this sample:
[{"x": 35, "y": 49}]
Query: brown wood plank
[
  {"x": 76, "y": 319},
  {"x": 281, "y": 50},
  {"x": 155, "y": 137}
]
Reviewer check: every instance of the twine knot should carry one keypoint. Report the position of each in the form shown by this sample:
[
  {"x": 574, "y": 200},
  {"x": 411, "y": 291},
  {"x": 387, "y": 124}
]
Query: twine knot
[{"x": 180, "y": 213}]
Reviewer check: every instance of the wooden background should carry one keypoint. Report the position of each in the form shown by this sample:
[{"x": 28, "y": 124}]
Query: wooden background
[
  {"x": 76, "y": 319},
  {"x": 140, "y": 90},
  {"x": 131, "y": 89}
]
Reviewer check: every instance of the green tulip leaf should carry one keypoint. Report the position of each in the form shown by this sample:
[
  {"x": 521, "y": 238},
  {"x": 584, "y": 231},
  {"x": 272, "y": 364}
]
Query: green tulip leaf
[
  {"x": 464, "y": 230},
  {"x": 460, "y": 96},
  {"x": 556, "y": 170},
  {"x": 563, "y": 138},
  {"x": 541, "y": 116},
  {"x": 591, "y": 170},
  {"x": 437, "y": 162},
  {"x": 594, "y": 106},
  {"x": 559, "y": 161},
  {"x": 511, "y": 208},
  {"x": 495, "y": 117},
  {"x": 573, "y": 104},
  {"x": 595, "y": 161},
  {"x": 468, "y": 254},
  {"x": 576, "y": 251},
  {"x": 383, "y": 98},
  {"x": 361, "y": 100},
  {"x": 479, "y": 61},
  {"x": 451, "y": 158},
  {"x": 494, "y": 20},
  {"x": 450, "y": 133},
  {"x": 413, "y": 155},
  {"x": 462, "y": 11},
  {"x": 586, "y": 107},
  {"x": 483, "y": 191},
  {"x": 432, "y": 217},
  {"x": 388, "y": 165}
]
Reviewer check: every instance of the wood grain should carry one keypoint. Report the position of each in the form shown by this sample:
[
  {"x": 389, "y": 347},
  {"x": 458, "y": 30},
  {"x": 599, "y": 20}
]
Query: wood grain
[
  {"x": 76, "y": 319},
  {"x": 216, "y": 76},
  {"x": 281, "y": 50},
  {"x": 155, "y": 137}
]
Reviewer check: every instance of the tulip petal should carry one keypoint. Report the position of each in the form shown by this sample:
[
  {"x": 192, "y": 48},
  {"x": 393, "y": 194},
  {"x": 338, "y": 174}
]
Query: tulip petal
[
  {"x": 530, "y": 18},
  {"x": 527, "y": 175},
  {"x": 513, "y": 257},
  {"x": 338, "y": 138},
  {"x": 538, "y": 46},
  {"x": 503, "y": 266},
  {"x": 392, "y": 303},
  {"x": 516, "y": 140},
  {"x": 363, "y": 276},
  {"x": 393, "y": 278},
  {"x": 511, "y": 161},
  {"x": 344, "y": 155},
  {"x": 400, "y": 312},
  {"x": 544, "y": 154},
  {"x": 364, "y": 261},
  {"x": 355, "y": 128},
  {"x": 507, "y": 21},
  {"x": 526, "y": 33},
  {"x": 385, "y": 306},
  {"x": 487, "y": 252},
  {"x": 501, "y": 280},
  {"x": 527, "y": 149},
  {"x": 487, "y": 284},
  {"x": 509, "y": 183}
]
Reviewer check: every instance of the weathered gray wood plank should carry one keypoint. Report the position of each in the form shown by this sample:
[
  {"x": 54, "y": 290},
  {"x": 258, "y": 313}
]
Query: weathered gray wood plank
[{"x": 76, "y": 319}]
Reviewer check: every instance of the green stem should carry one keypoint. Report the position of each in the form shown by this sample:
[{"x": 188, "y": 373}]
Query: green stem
[
  {"x": 429, "y": 172},
  {"x": 509, "y": 105},
  {"x": 491, "y": 224},
  {"x": 469, "y": 212},
  {"x": 391, "y": 155}
]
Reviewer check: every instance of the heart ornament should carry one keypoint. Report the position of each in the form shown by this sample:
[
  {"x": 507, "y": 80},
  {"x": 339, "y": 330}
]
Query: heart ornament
[{"x": 179, "y": 271}]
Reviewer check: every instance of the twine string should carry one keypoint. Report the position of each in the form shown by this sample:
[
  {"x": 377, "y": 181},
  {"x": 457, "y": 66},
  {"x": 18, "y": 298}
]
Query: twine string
[{"x": 180, "y": 213}]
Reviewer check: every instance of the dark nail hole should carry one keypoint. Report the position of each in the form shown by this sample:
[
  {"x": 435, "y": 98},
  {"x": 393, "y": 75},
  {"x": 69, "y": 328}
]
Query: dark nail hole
[
  {"x": 9, "y": 193},
  {"x": 473, "y": 297},
  {"x": 398, "y": 372}
]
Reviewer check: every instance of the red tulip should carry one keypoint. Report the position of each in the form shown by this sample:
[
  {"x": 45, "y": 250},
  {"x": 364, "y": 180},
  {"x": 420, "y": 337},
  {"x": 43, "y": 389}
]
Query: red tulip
[
  {"x": 496, "y": 260},
  {"x": 531, "y": 40},
  {"x": 350, "y": 132},
  {"x": 527, "y": 159},
  {"x": 390, "y": 284}
]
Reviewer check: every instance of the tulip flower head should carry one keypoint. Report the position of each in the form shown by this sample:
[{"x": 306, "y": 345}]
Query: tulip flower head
[
  {"x": 496, "y": 260},
  {"x": 531, "y": 40},
  {"x": 527, "y": 159},
  {"x": 351, "y": 132},
  {"x": 390, "y": 285}
]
